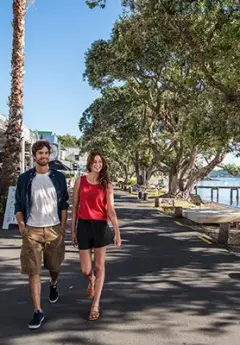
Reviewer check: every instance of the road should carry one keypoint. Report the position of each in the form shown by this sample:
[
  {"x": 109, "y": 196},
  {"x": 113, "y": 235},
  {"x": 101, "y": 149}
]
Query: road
[{"x": 163, "y": 287}]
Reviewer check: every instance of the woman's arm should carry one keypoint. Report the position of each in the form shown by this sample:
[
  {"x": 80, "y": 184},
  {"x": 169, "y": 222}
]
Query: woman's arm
[
  {"x": 75, "y": 204},
  {"x": 112, "y": 215}
]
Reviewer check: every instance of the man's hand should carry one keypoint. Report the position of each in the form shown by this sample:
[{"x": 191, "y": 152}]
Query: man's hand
[
  {"x": 21, "y": 223},
  {"x": 63, "y": 230},
  {"x": 21, "y": 227}
]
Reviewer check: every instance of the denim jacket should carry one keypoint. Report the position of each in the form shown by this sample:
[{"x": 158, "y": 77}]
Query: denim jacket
[{"x": 23, "y": 192}]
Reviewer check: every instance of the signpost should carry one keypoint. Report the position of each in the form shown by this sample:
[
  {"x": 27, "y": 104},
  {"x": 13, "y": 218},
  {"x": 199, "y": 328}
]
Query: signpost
[{"x": 9, "y": 217}]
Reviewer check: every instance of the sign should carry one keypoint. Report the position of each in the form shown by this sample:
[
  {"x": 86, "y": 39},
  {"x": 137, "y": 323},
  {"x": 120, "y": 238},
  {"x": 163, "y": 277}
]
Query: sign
[{"x": 9, "y": 216}]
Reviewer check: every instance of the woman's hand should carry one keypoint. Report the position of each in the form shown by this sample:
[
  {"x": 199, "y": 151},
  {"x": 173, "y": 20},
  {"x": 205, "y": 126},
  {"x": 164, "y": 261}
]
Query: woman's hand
[
  {"x": 117, "y": 240},
  {"x": 74, "y": 239}
]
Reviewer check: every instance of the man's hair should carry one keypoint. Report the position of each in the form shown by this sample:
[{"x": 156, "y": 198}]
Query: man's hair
[{"x": 39, "y": 145}]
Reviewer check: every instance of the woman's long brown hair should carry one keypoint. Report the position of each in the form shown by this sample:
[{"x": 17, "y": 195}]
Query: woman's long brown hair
[{"x": 103, "y": 177}]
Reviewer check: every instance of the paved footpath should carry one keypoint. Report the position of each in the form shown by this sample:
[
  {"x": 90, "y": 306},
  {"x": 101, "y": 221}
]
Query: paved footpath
[{"x": 164, "y": 287}]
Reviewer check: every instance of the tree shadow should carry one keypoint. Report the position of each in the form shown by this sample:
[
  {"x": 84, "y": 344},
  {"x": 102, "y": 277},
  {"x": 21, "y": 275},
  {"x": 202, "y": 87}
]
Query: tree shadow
[
  {"x": 235, "y": 276},
  {"x": 164, "y": 282}
]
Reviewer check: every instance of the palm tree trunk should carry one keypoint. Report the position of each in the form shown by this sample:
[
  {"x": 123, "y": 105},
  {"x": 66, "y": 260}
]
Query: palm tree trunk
[{"x": 13, "y": 132}]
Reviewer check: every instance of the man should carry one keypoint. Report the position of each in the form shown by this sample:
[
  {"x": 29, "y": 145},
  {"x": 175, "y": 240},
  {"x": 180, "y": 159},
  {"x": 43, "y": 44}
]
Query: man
[{"x": 41, "y": 211}]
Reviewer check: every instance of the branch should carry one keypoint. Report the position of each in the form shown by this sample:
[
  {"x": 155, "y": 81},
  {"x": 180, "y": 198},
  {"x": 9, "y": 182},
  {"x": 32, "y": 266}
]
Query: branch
[
  {"x": 189, "y": 162},
  {"x": 203, "y": 172}
]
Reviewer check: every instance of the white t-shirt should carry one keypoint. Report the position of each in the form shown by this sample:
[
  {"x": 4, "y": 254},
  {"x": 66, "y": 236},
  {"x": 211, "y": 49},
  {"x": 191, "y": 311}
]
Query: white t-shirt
[{"x": 44, "y": 210}]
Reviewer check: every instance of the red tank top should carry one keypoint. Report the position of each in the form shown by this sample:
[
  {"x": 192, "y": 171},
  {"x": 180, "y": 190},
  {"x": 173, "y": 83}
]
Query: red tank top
[{"x": 93, "y": 201}]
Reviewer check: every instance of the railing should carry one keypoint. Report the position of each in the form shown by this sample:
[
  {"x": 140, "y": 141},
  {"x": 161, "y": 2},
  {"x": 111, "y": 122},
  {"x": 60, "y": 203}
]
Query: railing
[{"x": 232, "y": 189}]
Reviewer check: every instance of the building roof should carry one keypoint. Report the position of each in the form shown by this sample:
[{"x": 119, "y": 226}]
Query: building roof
[{"x": 45, "y": 133}]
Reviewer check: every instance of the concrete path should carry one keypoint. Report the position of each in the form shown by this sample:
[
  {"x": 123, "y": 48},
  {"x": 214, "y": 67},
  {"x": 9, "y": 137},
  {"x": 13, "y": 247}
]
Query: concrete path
[{"x": 164, "y": 287}]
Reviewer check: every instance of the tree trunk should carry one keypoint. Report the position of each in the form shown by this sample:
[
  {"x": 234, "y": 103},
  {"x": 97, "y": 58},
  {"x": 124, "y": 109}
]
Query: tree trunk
[
  {"x": 13, "y": 132},
  {"x": 149, "y": 172},
  {"x": 188, "y": 189},
  {"x": 182, "y": 186},
  {"x": 144, "y": 176},
  {"x": 177, "y": 187},
  {"x": 140, "y": 180},
  {"x": 173, "y": 184},
  {"x": 137, "y": 168},
  {"x": 126, "y": 176}
]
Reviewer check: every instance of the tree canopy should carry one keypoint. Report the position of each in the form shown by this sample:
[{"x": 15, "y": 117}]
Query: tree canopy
[
  {"x": 176, "y": 63},
  {"x": 232, "y": 169},
  {"x": 69, "y": 140}
]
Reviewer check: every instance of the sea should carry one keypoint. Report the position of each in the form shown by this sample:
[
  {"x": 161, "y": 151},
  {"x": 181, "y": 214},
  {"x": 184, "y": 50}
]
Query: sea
[{"x": 224, "y": 194}]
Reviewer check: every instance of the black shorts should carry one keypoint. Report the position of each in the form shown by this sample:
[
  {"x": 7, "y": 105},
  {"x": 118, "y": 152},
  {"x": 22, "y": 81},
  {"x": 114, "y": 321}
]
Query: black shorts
[{"x": 93, "y": 234}]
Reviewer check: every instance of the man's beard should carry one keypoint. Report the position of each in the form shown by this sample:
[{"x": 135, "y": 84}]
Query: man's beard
[{"x": 42, "y": 163}]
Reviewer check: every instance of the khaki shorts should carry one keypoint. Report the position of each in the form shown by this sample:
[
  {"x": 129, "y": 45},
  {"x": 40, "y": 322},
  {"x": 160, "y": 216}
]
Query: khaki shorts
[{"x": 42, "y": 243}]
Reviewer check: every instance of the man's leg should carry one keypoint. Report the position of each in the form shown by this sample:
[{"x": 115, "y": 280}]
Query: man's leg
[
  {"x": 31, "y": 260},
  {"x": 53, "y": 258},
  {"x": 35, "y": 288},
  {"x": 54, "y": 277},
  {"x": 53, "y": 287}
]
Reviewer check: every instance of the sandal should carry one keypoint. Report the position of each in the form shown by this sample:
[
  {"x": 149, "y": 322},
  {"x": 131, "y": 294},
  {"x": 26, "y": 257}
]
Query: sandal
[
  {"x": 94, "y": 313},
  {"x": 90, "y": 289}
]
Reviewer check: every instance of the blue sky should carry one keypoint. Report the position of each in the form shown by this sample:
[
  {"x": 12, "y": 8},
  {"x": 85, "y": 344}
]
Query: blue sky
[{"x": 58, "y": 33}]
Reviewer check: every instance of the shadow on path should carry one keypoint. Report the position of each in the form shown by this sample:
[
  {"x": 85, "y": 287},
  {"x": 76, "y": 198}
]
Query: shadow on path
[{"x": 163, "y": 281}]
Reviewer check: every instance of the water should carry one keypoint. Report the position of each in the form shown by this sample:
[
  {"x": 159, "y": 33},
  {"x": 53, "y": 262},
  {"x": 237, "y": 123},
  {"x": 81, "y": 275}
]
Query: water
[{"x": 224, "y": 194}]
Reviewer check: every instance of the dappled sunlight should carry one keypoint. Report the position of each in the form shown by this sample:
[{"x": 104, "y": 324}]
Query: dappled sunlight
[{"x": 164, "y": 282}]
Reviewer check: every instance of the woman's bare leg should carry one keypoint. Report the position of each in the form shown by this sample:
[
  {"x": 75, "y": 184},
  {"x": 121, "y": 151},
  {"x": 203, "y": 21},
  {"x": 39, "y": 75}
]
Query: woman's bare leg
[
  {"x": 99, "y": 260},
  {"x": 86, "y": 265}
]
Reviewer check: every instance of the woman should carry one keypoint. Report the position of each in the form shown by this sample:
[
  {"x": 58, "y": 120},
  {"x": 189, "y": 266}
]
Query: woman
[{"x": 93, "y": 204}]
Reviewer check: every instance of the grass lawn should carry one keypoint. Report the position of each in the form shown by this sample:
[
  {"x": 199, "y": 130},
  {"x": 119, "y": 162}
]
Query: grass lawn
[
  {"x": 183, "y": 204},
  {"x": 177, "y": 203}
]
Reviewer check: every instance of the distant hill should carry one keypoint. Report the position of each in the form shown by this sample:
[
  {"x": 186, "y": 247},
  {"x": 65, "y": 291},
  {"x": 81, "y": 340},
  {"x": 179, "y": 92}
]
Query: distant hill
[{"x": 219, "y": 173}]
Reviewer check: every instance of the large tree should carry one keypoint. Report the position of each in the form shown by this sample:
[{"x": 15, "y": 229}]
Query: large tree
[
  {"x": 104, "y": 130},
  {"x": 116, "y": 124},
  {"x": 186, "y": 96}
]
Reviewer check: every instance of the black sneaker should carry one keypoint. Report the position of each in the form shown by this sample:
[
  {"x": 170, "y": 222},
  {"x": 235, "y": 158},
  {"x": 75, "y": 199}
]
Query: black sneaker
[
  {"x": 53, "y": 293},
  {"x": 37, "y": 320}
]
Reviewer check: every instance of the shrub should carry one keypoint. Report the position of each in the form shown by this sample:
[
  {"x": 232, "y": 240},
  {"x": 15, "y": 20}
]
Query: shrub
[
  {"x": 68, "y": 175},
  {"x": 132, "y": 182}
]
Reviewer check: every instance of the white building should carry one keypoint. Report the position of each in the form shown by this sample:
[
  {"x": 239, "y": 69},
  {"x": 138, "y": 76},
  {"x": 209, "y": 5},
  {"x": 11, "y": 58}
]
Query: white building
[{"x": 72, "y": 154}]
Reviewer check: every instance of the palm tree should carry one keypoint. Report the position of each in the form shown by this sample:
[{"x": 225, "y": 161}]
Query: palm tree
[
  {"x": 94, "y": 3},
  {"x": 13, "y": 132}
]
